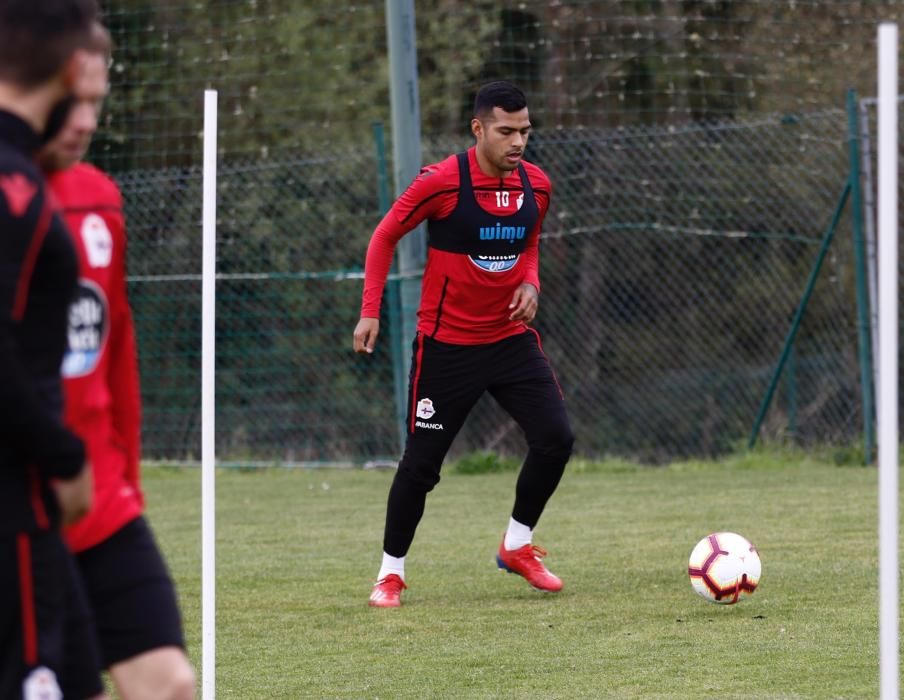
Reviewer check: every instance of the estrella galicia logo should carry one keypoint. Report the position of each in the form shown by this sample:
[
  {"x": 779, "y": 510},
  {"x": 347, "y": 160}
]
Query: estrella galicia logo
[
  {"x": 502, "y": 233},
  {"x": 88, "y": 326},
  {"x": 495, "y": 263}
]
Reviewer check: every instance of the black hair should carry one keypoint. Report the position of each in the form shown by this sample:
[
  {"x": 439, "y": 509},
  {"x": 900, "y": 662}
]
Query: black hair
[
  {"x": 37, "y": 37},
  {"x": 500, "y": 93}
]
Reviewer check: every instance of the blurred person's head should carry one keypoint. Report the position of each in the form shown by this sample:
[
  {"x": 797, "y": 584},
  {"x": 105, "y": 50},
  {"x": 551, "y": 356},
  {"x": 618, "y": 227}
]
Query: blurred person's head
[
  {"x": 42, "y": 46},
  {"x": 71, "y": 142},
  {"x": 501, "y": 125}
]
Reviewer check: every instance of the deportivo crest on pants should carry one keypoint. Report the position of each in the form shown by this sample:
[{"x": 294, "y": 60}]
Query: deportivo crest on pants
[
  {"x": 41, "y": 684},
  {"x": 425, "y": 408}
]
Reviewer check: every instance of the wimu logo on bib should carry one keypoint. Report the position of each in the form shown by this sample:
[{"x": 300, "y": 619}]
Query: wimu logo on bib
[
  {"x": 502, "y": 233},
  {"x": 505, "y": 261}
]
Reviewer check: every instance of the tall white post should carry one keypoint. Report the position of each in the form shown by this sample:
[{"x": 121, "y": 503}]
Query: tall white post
[
  {"x": 888, "y": 360},
  {"x": 208, "y": 455}
]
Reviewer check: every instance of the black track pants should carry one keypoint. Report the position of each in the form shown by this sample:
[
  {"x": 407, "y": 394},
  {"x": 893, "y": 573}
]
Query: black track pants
[{"x": 445, "y": 383}]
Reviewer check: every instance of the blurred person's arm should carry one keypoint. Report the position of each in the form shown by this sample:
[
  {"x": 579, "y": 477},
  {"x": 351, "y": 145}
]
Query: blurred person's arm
[
  {"x": 28, "y": 424},
  {"x": 123, "y": 378}
]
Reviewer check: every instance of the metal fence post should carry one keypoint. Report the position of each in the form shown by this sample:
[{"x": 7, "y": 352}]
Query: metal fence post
[
  {"x": 799, "y": 314},
  {"x": 406, "y": 151},
  {"x": 863, "y": 315},
  {"x": 791, "y": 389}
]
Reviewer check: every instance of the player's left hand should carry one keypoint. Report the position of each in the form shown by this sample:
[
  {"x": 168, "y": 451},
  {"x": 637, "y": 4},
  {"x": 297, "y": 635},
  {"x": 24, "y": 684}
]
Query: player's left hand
[
  {"x": 524, "y": 303},
  {"x": 74, "y": 495}
]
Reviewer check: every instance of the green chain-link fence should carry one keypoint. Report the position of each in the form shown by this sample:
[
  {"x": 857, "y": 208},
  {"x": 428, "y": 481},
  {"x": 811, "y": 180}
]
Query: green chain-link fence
[
  {"x": 671, "y": 264},
  {"x": 697, "y": 151}
]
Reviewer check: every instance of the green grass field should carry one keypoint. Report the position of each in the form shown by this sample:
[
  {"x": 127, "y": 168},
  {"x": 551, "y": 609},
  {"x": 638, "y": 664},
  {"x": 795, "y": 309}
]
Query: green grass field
[{"x": 298, "y": 551}]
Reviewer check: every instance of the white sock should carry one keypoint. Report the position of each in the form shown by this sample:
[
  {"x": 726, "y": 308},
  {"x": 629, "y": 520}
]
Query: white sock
[
  {"x": 392, "y": 565},
  {"x": 517, "y": 535}
]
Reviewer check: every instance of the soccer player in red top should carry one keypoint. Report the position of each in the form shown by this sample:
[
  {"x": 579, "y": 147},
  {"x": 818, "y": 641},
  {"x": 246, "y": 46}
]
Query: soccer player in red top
[
  {"x": 128, "y": 585},
  {"x": 480, "y": 290}
]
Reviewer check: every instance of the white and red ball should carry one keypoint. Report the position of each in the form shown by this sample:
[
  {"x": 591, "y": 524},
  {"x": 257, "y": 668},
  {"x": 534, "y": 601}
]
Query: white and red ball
[{"x": 724, "y": 567}]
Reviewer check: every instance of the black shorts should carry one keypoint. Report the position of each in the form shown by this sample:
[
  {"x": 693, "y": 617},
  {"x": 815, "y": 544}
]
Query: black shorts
[
  {"x": 131, "y": 594},
  {"x": 46, "y": 631}
]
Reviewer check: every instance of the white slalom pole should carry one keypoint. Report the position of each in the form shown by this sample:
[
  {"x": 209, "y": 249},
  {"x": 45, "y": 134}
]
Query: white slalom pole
[
  {"x": 208, "y": 456},
  {"x": 888, "y": 360}
]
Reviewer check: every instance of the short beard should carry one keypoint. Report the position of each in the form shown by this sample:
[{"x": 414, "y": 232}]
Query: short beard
[{"x": 51, "y": 162}]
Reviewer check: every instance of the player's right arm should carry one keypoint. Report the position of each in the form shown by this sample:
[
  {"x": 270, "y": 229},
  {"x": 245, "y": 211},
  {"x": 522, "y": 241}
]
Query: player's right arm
[
  {"x": 27, "y": 425},
  {"x": 122, "y": 370},
  {"x": 425, "y": 198}
]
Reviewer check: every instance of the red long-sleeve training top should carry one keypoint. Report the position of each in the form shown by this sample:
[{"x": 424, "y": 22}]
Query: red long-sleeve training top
[
  {"x": 464, "y": 295},
  {"x": 100, "y": 368}
]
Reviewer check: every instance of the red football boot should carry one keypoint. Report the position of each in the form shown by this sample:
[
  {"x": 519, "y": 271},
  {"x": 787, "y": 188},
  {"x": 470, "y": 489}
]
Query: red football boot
[
  {"x": 386, "y": 592},
  {"x": 525, "y": 561}
]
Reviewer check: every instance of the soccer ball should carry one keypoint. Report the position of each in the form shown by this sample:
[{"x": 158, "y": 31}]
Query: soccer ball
[{"x": 723, "y": 567}]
